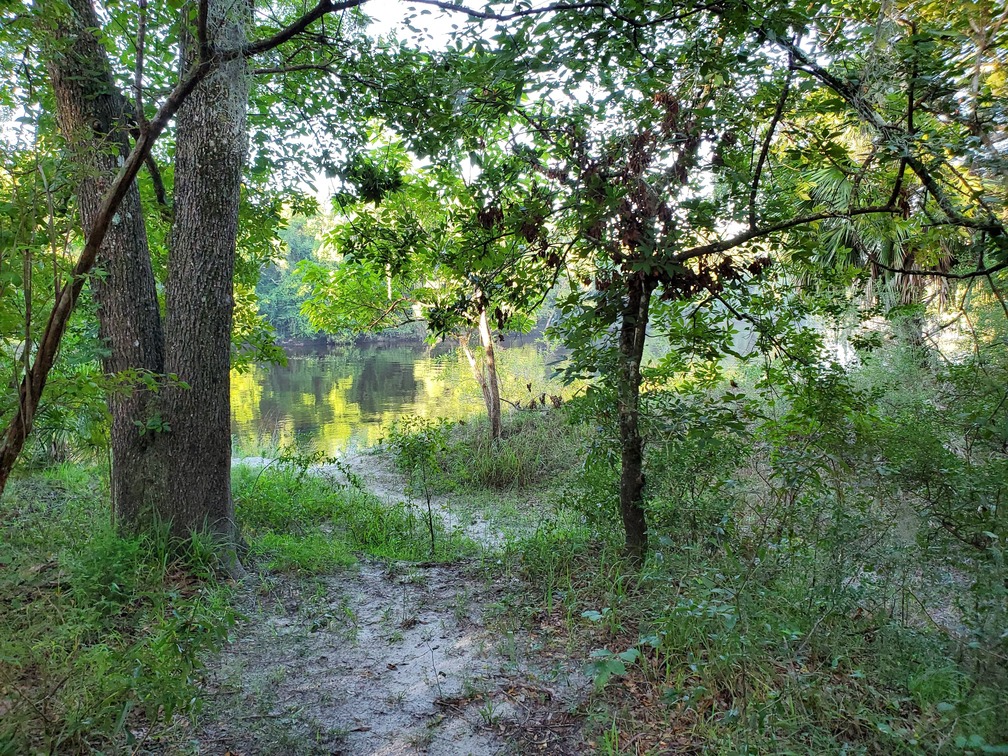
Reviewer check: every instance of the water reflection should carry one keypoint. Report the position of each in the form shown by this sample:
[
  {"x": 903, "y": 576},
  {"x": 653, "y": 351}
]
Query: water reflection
[{"x": 348, "y": 398}]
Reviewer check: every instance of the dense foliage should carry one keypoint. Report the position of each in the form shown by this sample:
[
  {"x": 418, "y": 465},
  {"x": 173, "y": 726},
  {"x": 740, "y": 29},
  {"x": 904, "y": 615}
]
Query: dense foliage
[{"x": 773, "y": 242}]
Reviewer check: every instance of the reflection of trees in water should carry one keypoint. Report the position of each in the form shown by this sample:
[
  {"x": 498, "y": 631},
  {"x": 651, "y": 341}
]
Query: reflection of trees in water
[
  {"x": 382, "y": 381},
  {"x": 300, "y": 394},
  {"x": 353, "y": 395}
]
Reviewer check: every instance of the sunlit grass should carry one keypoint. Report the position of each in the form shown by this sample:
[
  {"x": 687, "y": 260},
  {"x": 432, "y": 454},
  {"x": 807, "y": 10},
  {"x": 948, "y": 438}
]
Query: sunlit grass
[{"x": 300, "y": 519}]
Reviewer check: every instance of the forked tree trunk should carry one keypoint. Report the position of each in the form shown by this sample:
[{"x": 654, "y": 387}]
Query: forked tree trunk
[
  {"x": 89, "y": 110},
  {"x": 633, "y": 330},
  {"x": 211, "y": 145},
  {"x": 106, "y": 217}
]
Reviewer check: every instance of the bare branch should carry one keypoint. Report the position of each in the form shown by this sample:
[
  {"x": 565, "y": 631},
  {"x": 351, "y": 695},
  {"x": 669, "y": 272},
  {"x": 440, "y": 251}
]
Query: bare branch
[
  {"x": 898, "y": 186},
  {"x": 487, "y": 15},
  {"x": 155, "y": 173},
  {"x": 980, "y": 272},
  {"x": 272, "y": 71},
  {"x": 997, "y": 293},
  {"x": 388, "y": 311},
  {"x": 323, "y": 8}
]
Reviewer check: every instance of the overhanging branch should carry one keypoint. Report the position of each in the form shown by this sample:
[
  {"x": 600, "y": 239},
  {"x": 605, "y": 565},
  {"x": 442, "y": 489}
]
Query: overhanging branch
[{"x": 758, "y": 233}]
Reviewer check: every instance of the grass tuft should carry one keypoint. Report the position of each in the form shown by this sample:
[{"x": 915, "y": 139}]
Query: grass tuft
[
  {"x": 534, "y": 448},
  {"x": 299, "y": 520}
]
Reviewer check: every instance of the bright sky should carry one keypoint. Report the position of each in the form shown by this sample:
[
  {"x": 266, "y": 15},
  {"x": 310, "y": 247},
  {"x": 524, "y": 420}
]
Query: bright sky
[{"x": 388, "y": 17}]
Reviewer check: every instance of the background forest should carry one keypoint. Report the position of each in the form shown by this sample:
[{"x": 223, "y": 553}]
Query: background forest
[{"x": 760, "y": 503}]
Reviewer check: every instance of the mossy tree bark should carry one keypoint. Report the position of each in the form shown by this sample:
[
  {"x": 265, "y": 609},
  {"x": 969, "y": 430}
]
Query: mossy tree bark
[{"x": 632, "y": 335}]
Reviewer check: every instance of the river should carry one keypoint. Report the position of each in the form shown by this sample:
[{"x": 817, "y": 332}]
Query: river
[{"x": 346, "y": 398}]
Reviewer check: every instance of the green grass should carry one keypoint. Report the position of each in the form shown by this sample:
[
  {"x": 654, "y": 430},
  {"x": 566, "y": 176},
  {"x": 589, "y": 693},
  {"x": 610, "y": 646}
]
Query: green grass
[
  {"x": 297, "y": 520},
  {"x": 101, "y": 637},
  {"x": 788, "y": 604},
  {"x": 535, "y": 447},
  {"x": 314, "y": 552},
  {"x": 723, "y": 659},
  {"x": 535, "y": 450}
]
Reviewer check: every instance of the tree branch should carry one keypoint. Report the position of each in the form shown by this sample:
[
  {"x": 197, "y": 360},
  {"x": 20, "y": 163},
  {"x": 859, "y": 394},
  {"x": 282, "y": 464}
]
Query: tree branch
[
  {"x": 898, "y": 186},
  {"x": 778, "y": 112},
  {"x": 320, "y": 67},
  {"x": 155, "y": 173},
  {"x": 759, "y": 233},
  {"x": 896, "y": 135},
  {"x": 980, "y": 272},
  {"x": 202, "y": 35},
  {"x": 487, "y": 15},
  {"x": 323, "y": 8}
]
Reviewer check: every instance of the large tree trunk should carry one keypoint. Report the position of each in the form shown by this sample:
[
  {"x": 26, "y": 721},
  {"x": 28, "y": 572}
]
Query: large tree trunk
[
  {"x": 633, "y": 330},
  {"x": 90, "y": 113},
  {"x": 107, "y": 217},
  {"x": 211, "y": 145}
]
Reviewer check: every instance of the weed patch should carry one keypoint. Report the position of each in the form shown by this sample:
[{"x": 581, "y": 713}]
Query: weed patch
[
  {"x": 101, "y": 637},
  {"x": 297, "y": 519},
  {"x": 534, "y": 449},
  {"x": 824, "y": 577}
]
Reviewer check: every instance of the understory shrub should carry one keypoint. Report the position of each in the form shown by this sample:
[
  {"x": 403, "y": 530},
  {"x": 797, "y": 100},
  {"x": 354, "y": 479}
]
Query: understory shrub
[{"x": 827, "y": 570}]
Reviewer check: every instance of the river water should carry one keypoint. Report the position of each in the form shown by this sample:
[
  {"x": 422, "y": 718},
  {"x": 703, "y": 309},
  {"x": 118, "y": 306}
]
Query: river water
[{"x": 348, "y": 397}]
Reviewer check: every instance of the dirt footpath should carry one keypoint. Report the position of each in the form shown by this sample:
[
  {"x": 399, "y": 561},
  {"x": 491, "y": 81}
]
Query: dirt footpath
[{"x": 385, "y": 659}]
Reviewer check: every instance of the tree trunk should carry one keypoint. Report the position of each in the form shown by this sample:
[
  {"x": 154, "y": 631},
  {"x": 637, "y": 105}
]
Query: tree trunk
[
  {"x": 107, "y": 216},
  {"x": 633, "y": 330},
  {"x": 493, "y": 385},
  {"x": 90, "y": 113},
  {"x": 211, "y": 146},
  {"x": 485, "y": 374}
]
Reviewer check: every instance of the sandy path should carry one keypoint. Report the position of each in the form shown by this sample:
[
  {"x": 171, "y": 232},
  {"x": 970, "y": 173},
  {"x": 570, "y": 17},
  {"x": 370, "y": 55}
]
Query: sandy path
[
  {"x": 364, "y": 662},
  {"x": 384, "y": 660}
]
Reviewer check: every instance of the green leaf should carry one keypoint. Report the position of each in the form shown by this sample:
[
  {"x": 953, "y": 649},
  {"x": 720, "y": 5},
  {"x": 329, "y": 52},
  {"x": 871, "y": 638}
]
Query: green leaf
[{"x": 630, "y": 656}]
